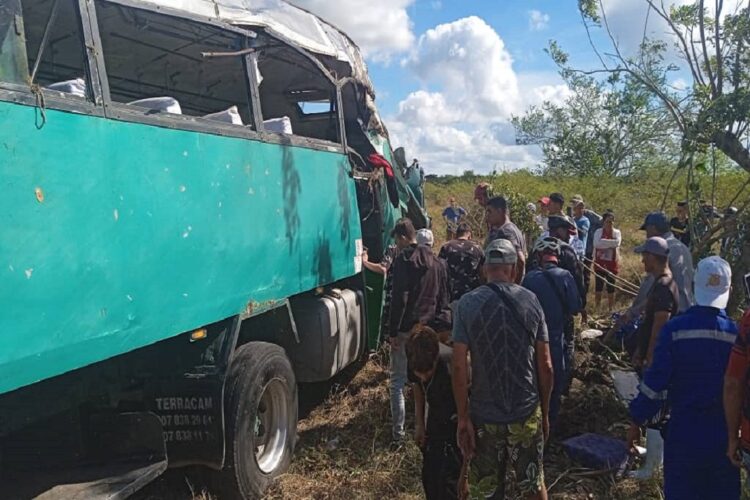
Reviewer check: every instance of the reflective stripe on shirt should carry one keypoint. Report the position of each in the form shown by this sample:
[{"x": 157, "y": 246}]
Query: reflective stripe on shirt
[
  {"x": 652, "y": 394},
  {"x": 703, "y": 334}
]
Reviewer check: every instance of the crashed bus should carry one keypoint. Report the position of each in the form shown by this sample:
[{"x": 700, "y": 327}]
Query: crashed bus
[{"x": 186, "y": 189}]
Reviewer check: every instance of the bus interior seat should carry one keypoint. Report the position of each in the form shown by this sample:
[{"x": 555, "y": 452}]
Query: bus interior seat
[
  {"x": 230, "y": 115},
  {"x": 76, "y": 87},
  {"x": 159, "y": 104},
  {"x": 281, "y": 125}
]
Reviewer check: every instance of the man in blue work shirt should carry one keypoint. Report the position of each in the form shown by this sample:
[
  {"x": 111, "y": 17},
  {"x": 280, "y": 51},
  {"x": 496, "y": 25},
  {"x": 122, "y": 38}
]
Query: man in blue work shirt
[
  {"x": 687, "y": 373},
  {"x": 452, "y": 216},
  {"x": 558, "y": 294}
]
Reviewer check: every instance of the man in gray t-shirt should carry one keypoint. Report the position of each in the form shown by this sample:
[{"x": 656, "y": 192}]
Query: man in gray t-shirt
[{"x": 503, "y": 326}]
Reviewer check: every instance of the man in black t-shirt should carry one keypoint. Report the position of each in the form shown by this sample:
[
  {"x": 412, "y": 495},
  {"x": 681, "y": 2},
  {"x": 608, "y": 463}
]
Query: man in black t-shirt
[
  {"x": 679, "y": 225},
  {"x": 464, "y": 259},
  {"x": 662, "y": 301},
  {"x": 435, "y": 423}
]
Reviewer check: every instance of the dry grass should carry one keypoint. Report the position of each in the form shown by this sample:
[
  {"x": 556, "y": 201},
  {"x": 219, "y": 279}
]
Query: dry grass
[{"x": 343, "y": 449}]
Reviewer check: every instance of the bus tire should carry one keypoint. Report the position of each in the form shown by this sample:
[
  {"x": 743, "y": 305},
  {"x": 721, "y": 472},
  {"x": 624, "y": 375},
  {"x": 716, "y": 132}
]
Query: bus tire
[{"x": 261, "y": 419}]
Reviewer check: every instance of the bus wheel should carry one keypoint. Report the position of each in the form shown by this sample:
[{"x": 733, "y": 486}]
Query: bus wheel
[{"x": 261, "y": 419}]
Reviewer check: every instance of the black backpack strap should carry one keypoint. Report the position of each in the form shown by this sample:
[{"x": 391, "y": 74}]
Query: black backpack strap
[{"x": 512, "y": 307}]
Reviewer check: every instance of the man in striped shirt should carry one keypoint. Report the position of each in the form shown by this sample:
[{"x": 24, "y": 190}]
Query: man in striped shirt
[{"x": 687, "y": 375}]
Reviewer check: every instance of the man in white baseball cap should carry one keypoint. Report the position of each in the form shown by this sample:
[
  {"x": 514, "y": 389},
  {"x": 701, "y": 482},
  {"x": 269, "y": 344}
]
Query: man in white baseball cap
[
  {"x": 713, "y": 281},
  {"x": 691, "y": 354},
  {"x": 425, "y": 237}
]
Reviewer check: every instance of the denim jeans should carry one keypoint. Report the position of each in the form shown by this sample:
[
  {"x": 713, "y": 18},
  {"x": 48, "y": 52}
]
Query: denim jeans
[{"x": 398, "y": 378}]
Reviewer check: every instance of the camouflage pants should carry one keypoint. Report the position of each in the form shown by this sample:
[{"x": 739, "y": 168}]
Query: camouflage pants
[{"x": 508, "y": 451}]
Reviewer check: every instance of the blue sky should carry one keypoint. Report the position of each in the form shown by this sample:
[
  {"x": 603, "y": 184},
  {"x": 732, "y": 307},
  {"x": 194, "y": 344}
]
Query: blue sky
[
  {"x": 510, "y": 19},
  {"x": 450, "y": 74}
]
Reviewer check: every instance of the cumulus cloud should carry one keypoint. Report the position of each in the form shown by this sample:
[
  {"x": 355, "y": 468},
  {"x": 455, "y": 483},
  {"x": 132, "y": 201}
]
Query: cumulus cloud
[
  {"x": 468, "y": 60},
  {"x": 463, "y": 121},
  {"x": 538, "y": 20},
  {"x": 381, "y": 28},
  {"x": 450, "y": 150}
]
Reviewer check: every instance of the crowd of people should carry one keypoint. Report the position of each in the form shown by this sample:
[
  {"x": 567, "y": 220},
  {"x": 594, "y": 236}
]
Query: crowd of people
[{"x": 485, "y": 334}]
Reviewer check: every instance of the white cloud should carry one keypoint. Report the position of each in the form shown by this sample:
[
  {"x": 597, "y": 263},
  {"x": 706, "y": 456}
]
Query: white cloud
[
  {"x": 538, "y": 20},
  {"x": 424, "y": 108},
  {"x": 449, "y": 150},
  {"x": 381, "y": 29},
  {"x": 679, "y": 84},
  {"x": 470, "y": 63},
  {"x": 463, "y": 121},
  {"x": 627, "y": 19}
]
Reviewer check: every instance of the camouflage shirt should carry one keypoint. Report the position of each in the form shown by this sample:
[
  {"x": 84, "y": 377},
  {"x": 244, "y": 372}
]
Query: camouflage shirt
[{"x": 464, "y": 259}]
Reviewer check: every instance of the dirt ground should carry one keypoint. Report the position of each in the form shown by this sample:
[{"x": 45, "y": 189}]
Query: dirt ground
[{"x": 344, "y": 436}]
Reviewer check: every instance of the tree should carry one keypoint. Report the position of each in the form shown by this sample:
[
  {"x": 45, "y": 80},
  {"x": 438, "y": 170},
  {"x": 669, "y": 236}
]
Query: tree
[
  {"x": 610, "y": 127},
  {"x": 713, "y": 112},
  {"x": 715, "y": 109}
]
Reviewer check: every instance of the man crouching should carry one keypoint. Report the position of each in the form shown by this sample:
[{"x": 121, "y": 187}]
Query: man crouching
[{"x": 435, "y": 430}]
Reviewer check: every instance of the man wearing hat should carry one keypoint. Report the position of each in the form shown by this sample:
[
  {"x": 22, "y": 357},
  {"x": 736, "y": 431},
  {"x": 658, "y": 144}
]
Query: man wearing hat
[
  {"x": 687, "y": 372},
  {"x": 425, "y": 237},
  {"x": 561, "y": 227},
  {"x": 661, "y": 300},
  {"x": 679, "y": 224},
  {"x": 419, "y": 295},
  {"x": 680, "y": 259},
  {"x": 502, "y": 325},
  {"x": 680, "y": 265},
  {"x": 660, "y": 306},
  {"x": 557, "y": 293}
]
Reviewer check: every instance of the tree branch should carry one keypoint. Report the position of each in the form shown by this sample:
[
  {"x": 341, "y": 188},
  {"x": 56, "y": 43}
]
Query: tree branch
[
  {"x": 694, "y": 69},
  {"x": 730, "y": 145},
  {"x": 719, "y": 64},
  {"x": 707, "y": 60}
]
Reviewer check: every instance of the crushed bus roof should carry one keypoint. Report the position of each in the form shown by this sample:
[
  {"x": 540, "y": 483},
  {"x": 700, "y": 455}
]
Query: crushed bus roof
[{"x": 281, "y": 19}]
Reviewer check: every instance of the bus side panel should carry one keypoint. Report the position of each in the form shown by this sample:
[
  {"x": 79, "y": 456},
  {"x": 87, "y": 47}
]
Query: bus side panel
[{"x": 116, "y": 235}]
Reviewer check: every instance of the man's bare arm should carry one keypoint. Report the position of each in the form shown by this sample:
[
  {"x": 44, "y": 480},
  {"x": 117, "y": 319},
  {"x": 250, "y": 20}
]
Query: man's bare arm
[
  {"x": 660, "y": 319},
  {"x": 545, "y": 376}
]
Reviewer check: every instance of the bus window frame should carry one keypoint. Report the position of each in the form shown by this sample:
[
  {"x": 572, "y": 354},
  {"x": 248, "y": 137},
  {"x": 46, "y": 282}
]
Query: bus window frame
[
  {"x": 128, "y": 113},
  {"x": 61, "y": 101}
]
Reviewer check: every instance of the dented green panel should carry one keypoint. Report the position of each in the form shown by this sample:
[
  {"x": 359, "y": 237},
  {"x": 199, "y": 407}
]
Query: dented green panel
[{"x": 117, "y": 235}]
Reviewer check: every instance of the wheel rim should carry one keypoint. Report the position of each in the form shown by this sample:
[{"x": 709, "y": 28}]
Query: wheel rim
[{"x": 270, "y": 429}]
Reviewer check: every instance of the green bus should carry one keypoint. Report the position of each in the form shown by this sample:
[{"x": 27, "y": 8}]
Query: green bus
[{"x": 186, "y": 190}]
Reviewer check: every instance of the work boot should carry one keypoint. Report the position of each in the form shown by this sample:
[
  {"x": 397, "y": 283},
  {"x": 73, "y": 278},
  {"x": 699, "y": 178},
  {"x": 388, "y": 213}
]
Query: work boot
[{"x": 654, "y": 456}]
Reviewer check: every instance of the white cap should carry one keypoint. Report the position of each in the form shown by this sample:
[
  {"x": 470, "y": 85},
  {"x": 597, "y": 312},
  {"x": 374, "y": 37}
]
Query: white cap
[
  {"x": 712, "y": 280},
  {"x": 425, "y": 237}
]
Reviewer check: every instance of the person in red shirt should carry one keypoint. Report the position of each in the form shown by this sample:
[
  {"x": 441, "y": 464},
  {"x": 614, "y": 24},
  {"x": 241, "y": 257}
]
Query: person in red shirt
[{"x": 737, "y": 397}]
